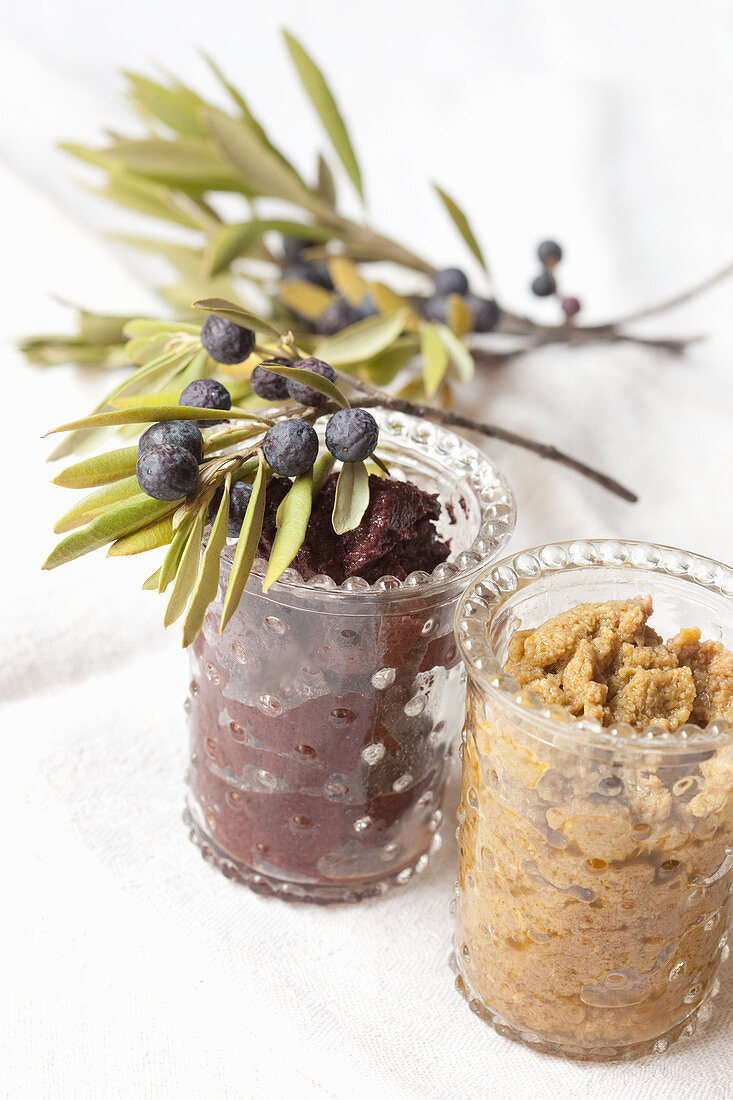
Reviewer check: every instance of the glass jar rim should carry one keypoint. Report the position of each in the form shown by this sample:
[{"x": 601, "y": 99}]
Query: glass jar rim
[
  {"x": 486, "y": 594},
  {"x": 457, "y": 456}
]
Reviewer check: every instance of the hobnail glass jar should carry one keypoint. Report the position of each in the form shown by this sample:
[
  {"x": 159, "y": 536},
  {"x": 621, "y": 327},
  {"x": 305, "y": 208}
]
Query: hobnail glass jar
[
  {"x": 322, "y": 719},
  {"x": 596, "y": 864}
]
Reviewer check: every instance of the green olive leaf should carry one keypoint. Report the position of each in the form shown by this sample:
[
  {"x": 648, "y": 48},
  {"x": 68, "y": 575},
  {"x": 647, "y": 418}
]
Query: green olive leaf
[
  {"x": 146, "y": 400},
  {"x": 293, "y": 516},
  {"x": 141, "y": 349},
  {"x": 462, "y": 225},
  {"x": 121, "y": 520},
  {"x": 230, "y": 311},
  {"x": 143, "y": 326},
  {"x": 95, "y": 503},
  {"x": 151, "y": 584},
  {"x": 325, "y": 105},
  {"x": 183, "y": 163},
  {"x": 175, "y": 110},
  {"x": 99, "y": 328},
  {"x": 172, "y": 558},
  {"x": 232, "y": 241},
  {"x": 186, "y": 572},
  {"x": 247, "y": 115},
  {"x": 352, "y": 497},
  {"x": 325, "y": 184},
  {"x": 384, "y": 368},
  {"x": 146, "y": 197},
  {"x": 254, "y": 160},
  {"x": 434, "y": 359},
  {"x": 247, "y": 543},
  {"x": 321, "y": 470},
  {"x": 151, "y": 414},
  {"x": 237, "y": 98},
  {"x": 363, "y": 340},
  {"x": 207, "y": 581},
  {"x": 315, "y": 381},
  {"x": 227, "y": 244},
  {"x": 459, "y": 355},
  {"x": 98, "y": 470},
  {"x": 148, "y": 538},
  {"x": 230, "y": 438}
]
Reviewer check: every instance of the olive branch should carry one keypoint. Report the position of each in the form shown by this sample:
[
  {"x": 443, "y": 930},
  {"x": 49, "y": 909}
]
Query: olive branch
[
  {"x": 310, "y": 262},
  {"x": 116, "y": 512}
]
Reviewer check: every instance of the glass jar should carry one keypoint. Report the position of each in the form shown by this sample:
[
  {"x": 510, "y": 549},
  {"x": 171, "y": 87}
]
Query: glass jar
[
  {"x": 322, "y": 719},
  {"x": 596, "y": 864}
]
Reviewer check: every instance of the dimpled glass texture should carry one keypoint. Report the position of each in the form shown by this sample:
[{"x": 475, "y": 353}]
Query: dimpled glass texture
[
  {"x": 323, "y": 718},
  {"x": 595, "y": 864}
]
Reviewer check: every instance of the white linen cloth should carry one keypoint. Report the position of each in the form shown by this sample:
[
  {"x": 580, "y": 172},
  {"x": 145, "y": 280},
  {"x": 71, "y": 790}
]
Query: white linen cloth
[{"x": 129, "y": 967}]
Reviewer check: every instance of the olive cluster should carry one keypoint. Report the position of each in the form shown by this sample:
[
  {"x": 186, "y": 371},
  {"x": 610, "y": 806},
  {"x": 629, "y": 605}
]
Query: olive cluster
[
  {"x": 170, "y": 452},
  {"x": 544, "y": 285}
]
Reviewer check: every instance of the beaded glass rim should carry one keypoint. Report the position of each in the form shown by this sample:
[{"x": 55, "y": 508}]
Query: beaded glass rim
[
  {"x": 457, "y": 457},
  {"x": 487, "y": 592}
]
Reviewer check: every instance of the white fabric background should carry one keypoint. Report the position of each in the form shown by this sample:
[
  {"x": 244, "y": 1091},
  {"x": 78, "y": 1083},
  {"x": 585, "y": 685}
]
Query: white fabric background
[{"x": 129, "y": 968}]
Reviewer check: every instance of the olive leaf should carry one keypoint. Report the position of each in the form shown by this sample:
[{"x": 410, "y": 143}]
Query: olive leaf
[
  {"x": 383, "y": 368},
  {"x": 321, "y": 470},
  {"x": 462, "y": 225},
  {"x": 146, "y": 197},
  {"x": 459, "y": 355},
  {"x": 121, "y": 520},
  {"x": 363, "y": 340},
  {"x": 460, "y": 315},
  {"x": 186, "y": 572},
  {"x": 230, "y": 311},
  {"x": 207, "y": 581},
  {"x": 98, "y": 470},
  {"x": 174, "y": 110},
  {"x": 255, "y": 161},
  {"x": 232, "y": 241},
  {"x": 247, "y": 543},
  {"x": 183, "y": 163},
  {"x": 150, "y": 414},
  {"x": 247, "y": 115},
  {"x": 143, "y": 326},
  {"x": 236, "y": 97},
  {"x": 141, "y": 349},
  {"x": 100, "y": 328},
  {"x": 293, "y": 516},
  {"x": 347, "y": 280},
  {"x": 315, "y": 381},
  {"x": 151, "y": 584},
  {"x": 325, "y": 105},
  {"x": 352, "y": 497},
  {"x": 228, "y": 244},
  {"x": 172, "y": 558},
  {"x": 325, "y": 185},
  {"x": 148, "y": 538},
  {"x": 434, "y": 359},
  {"x": 229, "y": 438},
  {"x": 95, "y": 503}
]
